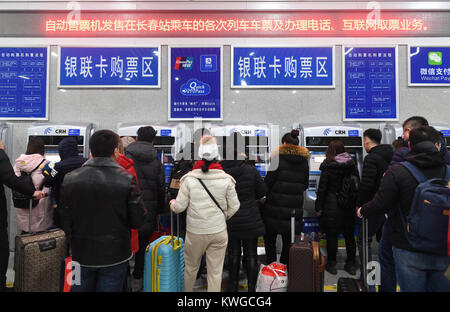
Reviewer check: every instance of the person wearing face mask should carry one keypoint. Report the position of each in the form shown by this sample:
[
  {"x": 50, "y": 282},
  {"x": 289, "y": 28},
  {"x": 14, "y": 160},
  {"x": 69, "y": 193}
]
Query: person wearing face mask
[{"x": 101, "y": 203}]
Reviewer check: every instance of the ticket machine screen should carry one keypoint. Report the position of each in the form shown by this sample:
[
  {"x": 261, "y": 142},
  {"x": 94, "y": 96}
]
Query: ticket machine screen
[
  {"x": 167, "y": 160},
  {"x": 51, "y": 146},
  {"x": 316, "y": 160}
]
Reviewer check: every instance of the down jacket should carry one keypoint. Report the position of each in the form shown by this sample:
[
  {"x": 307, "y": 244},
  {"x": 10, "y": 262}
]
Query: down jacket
[
  {"x": 286, "y": 180},
  {"x": 203, "y": 216},
  {"x": 333, "y": 218},
  {"x": 150, "y": 173},
  {"x": 247, "y": 223},
  {"x": 42, "y": 213}
]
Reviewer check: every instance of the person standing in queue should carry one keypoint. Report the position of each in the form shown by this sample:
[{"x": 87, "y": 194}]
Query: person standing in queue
[
  {"x": 209, "y": 196},
  {"x": 54, "y": 173},
  {"x": 246, "y": 225},
  {"x": 286, "y": 180},
  {"x": 150, "y": 173},
  {"x": 30, "y": 163},
  {"x": 8, "y": 178},
  {"x": 101, "y": 203},
  {"x": 334, "y": 218}
]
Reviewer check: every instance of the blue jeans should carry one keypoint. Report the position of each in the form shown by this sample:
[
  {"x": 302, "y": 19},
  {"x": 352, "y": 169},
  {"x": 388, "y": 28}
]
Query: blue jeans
[
  {"x": 108, "y": 279},
  {"x": 420, "y": 272},
  {"x": 386, "y": 260}
]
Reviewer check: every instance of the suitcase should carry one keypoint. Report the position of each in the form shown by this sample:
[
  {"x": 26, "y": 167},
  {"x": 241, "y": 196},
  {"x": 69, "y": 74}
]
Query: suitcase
[
  {"x": 347, "y": 284},
  {"x": 164, "y": 264},
  {"x": 37, "y": 260},
  {"x": 306, "y": 264}
]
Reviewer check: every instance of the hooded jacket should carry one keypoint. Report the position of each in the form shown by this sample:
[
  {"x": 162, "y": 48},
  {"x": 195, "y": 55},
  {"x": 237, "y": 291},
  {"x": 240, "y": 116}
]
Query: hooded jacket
[
  {"x": 100, "y": 204},
  {"x": 70, "y": 160},
  {"x": 247, "y": 223},
  {"x": 333, "y": 218},
  {"x": 398, "y": 186},
  {"x": 150, "y": 173},
  {"x": 8, "y": 178},
  {"x": 203, "y": 215},
  {"x": 286, "y": 180},
  {"x": 42, "y": 213}
]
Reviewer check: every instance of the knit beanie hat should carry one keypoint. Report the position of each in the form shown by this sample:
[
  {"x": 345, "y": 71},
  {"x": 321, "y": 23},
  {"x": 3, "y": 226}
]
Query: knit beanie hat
[{"x": 208, "y": 148}]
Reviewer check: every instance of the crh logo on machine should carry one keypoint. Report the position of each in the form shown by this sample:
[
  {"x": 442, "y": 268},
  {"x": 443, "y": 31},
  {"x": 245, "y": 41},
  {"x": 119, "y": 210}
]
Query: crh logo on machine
[
  {"x": 327, "y": 131},
  {"x": 47, "y": 131}
]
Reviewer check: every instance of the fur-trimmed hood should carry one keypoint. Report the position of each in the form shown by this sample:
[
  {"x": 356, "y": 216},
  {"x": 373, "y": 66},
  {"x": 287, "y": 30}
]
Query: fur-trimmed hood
[{"x": 293, "y": 150}]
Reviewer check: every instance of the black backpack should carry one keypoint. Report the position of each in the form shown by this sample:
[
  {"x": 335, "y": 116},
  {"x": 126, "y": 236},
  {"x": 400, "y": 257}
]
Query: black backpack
[
  {"x": 348, "y": 193},
  {"x": 21, "y": 200}
]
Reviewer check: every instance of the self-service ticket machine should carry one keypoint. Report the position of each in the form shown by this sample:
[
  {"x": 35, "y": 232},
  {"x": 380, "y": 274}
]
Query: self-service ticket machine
[
  {"x": 445, "y": 130},
  {"x": 390, "y": 132},
  {"x": 169, "y": 141},
  {"x": 52, "y": 134},
  {"x": 258, "y": 141},
  {"x": 316, "y": 138}
]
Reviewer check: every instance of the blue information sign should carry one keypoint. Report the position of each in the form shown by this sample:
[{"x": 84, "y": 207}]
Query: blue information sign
[
  {"x": 429, "y": 66},
  {"x": 23, "y": 83},
  {"x": 283, "y": 67},
  {"x": 195, "y": 89},
  {"x": 370, "y": 83},
  {"x": 109, "y": 67}
]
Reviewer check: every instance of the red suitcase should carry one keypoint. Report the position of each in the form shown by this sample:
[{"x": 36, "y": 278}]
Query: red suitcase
[{"x": 306, "y": 264}]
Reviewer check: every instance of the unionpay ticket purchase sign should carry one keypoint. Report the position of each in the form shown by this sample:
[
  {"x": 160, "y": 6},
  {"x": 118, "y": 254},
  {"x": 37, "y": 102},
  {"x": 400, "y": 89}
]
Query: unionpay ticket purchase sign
[
  {"x": 109, "y": 67},
  {"x": 195, "y": 83},
  {"x": 429, "y": 66}
]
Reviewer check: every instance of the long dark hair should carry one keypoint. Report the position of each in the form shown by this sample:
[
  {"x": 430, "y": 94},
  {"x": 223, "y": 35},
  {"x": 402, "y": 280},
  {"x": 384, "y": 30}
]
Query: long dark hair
[
  {"x": 291, "y": 137},
  {"x": 206, "y": 164},
  {"x": 335, "y": 147},
  {"x": 35, "y": 146}
]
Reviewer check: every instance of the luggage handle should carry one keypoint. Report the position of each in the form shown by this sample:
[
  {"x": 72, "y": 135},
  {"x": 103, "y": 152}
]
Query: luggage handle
[
  {"x": 29, "y": 215},
  {"x": 176, "y": 243}
]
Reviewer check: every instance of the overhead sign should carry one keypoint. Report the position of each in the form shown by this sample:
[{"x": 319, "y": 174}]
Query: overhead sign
[
  {"x": 23, "y": 83},
  {"x": 109, "y": 67},
  {"x": 246, "y": 24},
  {"x": 195, "y": 83},
  {"x": 282, "y": 67},
  {"x": 370, "y": 83},
  {"x": 429, "y": 66}
]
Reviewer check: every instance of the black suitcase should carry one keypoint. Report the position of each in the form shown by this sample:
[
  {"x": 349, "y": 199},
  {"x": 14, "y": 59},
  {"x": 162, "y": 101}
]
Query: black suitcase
[{"x": 347, "y": 284}]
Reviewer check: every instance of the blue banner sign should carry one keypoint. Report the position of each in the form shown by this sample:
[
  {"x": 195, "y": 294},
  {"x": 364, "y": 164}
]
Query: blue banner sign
[
  {"x": 109, "y": 67},
  {"x": 370, "y": 83},
  {"x": 283, "y": 67},
  {"x": 195, "y": 83},
  {"x": 429, "y": 66},
  {"x": 23, "y": 83}
]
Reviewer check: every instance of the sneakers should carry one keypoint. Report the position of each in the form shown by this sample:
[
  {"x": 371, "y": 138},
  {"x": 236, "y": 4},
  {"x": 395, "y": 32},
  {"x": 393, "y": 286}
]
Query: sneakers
[
  {"x": 331, "y": 267},
  {"x": 350, "y": 268}
]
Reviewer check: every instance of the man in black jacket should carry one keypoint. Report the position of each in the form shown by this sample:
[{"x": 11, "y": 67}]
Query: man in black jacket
[
  {"x": 150, "y": 173},
  {"x": 54, "y": 177},
  {"x": 415, "y": 270},
  {"x": 375, "y": 164},
  {"x": 8, "y": 178},
  {"x": 101, "y": 203}
]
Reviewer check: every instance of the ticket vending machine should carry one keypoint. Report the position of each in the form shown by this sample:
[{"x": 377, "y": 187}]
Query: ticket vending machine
[
  {"x": 445, "y": 130},
  {"x": 258, "y": 139},
  {"x": 169, "y": 141},
  {"x": 316, "y": 138},
  {"x": 52, "y": 134},
  {"x": 390, "y": 132}
]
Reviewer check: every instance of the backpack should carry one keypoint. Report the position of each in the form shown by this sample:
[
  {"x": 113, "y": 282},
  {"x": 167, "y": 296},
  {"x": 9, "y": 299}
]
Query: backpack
[
  {"x": 21, "y": 200},
  {"x": 426, "y": 226},
  {"x": 177, "y": 173},
  {"x": 348, "y": 193}
]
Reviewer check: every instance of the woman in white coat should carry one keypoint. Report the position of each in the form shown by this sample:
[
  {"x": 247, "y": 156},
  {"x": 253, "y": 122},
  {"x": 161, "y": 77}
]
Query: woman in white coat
[
  {"x": 33, "y": 161},
  {"x": 206, "y": 227}
]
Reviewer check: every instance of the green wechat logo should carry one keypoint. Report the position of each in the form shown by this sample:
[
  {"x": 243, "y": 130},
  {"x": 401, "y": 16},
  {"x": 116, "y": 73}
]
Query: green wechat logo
[{"x": 434, "y": 58}]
